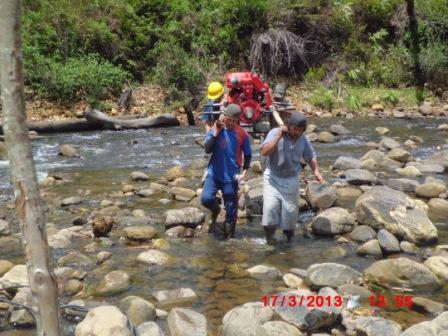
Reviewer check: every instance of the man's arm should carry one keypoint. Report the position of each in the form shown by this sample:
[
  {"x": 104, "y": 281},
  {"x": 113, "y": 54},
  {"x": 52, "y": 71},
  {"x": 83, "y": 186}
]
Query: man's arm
[
  {"x": 315, "y": 169},
  {"x": 269, "y": 148}
]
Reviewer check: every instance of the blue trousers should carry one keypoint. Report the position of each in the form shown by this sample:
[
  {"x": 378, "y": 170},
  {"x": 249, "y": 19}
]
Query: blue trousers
[{"x": 229, "y": 193}]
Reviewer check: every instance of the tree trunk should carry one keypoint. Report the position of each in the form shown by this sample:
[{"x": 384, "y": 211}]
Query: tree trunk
[
  {"x": 415, "y": 49},
  {"x": 23, "y": 175}
]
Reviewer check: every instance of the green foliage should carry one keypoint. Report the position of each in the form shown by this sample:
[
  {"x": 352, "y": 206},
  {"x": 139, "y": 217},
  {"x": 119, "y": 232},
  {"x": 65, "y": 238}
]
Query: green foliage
[
  {"x": 353, "y": 102},
  {"x": 434, "y": 62},
  {"x": 323, "y": 97},
  {"x": 390, "y": 97},
  {"x": 315, "y": 74}
]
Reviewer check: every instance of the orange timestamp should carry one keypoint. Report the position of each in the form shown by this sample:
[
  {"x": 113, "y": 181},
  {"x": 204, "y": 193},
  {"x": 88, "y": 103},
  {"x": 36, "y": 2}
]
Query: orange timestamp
[{"x": 399, "y": 301}]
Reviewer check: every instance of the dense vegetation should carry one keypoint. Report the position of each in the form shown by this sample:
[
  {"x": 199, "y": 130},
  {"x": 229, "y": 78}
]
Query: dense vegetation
[{"x": 88, "y": 49}]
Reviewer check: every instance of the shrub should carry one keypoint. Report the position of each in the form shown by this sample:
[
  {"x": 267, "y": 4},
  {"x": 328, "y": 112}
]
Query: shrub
[{"x": 323, "y": 97}]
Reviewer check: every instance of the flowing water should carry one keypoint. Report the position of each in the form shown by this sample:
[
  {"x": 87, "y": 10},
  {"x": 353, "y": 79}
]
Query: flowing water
[{"x": 212, "y": 267}]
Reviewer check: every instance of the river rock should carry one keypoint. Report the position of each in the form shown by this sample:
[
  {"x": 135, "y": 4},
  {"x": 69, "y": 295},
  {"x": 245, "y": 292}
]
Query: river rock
[
  {"x": 376, "y": 326},
  {"x": 333, "y": 221},
  {"x": 254, "y": 199},
  {"x": 401, "y": 272},
  {"x": 330, "y": 275},
  {"x": 5, "y": 266},
  {"x": 439, "y": 266},
  {"x": 264, "y": 272},
  {"x": 138, "y": 310},
  {"x": 149, "y": 329},
  {"x": 176, "y": 232},
  {"x": 251, "y": 311},
  {"x": 409, "y": 171},
  {"x": 388, "y": 242},
  {"x": 113, "y": 283},
  {"x": 443, "y": 127},
  {"x": 183, "y": 194},
  {"x": 154, "y": 257},
  {"x": 312, "y": 137},
  {"x": 438, "y": 208},
  {"x": 256, "y": 167},
  {"x": 359, "y": 177},
  {"x": 400, "y": 155},
  {"x": 68, "y": 151},
  {"x": 158, "y": 187},
  {"x": 72, "y": 287},
  {"x": 430, "y": 190},
  {"x": 188, "y": 217},
  {"x": 293, "y": 281},
  {"x": 436, "y": 327},
  {"x": 390, "y": 165},
  {"x": 320, "y": 196},
  {"x": 440, "y": 158},
  {"x": 383, "y": 207},
  {"x": 427, "y": 306},
  {"x": 326, "y": 137},
  {"x": 74, "y": 258},
  {"x": 362, "y": 233},
  {"x": 408, "y": 247},
  {"x": 403, "y": 184},
  {"x": 174, "y": 173},
  {"x": 345, "y": 162},
  {"x": 389, "y": 143},
  {"x": 382, "y": 130},
  {"x": 139, "y": 176},
  {"x": 140, "y": 233},
  {"x": 186, "y": 322},
  {"x": 22, "y": 317},
  {"x": 175, "y": 296},
  {"x": 354, "y": 290},
  {"x": 280, "y": 328},
  {"x": 304, "y": 317},
  {"x": 71, "y": 201},
  {"x": 427, "y": 168},
  {"x": 374, "y": 154},
  {"x": 426, "y": 109},
  {"x": 103, "y": 321},
  {"x": 4, "y": 228},
  {"x": 377, "y": 107},
  {"x": 371, "y": 247},
  {"x": 339, "y": 130}
]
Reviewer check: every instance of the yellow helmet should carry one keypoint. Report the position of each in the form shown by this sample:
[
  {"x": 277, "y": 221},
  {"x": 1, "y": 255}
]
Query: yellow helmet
[{"x": 215, "y": 90}]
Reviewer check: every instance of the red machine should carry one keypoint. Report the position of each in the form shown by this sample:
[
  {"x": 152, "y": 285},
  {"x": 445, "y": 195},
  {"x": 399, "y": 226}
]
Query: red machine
[{"x": 248, "y": 91}]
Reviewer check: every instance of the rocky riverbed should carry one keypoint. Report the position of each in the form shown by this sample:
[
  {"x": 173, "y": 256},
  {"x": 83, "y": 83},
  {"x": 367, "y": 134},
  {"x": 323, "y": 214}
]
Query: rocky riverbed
[{"x": 132, "y": 256}]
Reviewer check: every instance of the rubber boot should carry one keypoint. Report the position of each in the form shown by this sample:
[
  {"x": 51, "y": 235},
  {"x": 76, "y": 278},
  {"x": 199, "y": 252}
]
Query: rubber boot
[
  {"x": 229, "y": 230},
  {"x": 270, "y": 234},
  {"x": 289, "y": 234},
  {"x": 215, "y": 212}
]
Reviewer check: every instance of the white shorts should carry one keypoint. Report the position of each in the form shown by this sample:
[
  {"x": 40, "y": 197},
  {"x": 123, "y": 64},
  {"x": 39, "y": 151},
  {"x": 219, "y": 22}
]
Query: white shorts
[{"x": 280, "y": 201}]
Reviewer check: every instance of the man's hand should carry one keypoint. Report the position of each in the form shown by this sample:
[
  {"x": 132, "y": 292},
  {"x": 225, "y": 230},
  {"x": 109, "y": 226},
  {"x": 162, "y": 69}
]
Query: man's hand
[
  {"x": 283, "y": 131},
  {"x": 217, "y": 127},
  {"x": 318, "y": 176},
  {"x": 242, "y": 176}
]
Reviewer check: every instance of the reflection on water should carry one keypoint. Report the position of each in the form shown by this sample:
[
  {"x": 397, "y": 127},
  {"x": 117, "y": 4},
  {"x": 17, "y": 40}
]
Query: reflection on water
[{"x": 214, "y": 269}]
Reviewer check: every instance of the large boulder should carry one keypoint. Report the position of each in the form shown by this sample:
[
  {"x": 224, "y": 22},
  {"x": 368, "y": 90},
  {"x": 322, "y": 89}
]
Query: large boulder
[
  {"x": 254, "y": 196},
  {"x": 320, "y": 196},
  {"x": 362, "y": 233},
  {"x": 22, "y": 317},
  {"x": 401, "y": 272},
  {"x": 345, "y": 162},
  {"x": 403, "y": 184},
  {"x": 439, "y": 266},
  {"x": 16, "y": 276},
  {"x": 359, "y": 177},
  {"x": 103, "y": 321},
  {"x": 388, "y": 242},
  {"x": 333, "y": 221},
  {"x": 330, "y": 275},
  {"x": 436, "y": 327},
  {"x": 188, "y": 217},
  {"x": 186, "y": 322},
  {"x": 382, "y": 207}
]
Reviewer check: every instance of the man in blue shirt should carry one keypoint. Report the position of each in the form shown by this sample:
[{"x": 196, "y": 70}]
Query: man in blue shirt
[
  {"x": 227, "y": 142},
  {"x": 285, "y": 146}
]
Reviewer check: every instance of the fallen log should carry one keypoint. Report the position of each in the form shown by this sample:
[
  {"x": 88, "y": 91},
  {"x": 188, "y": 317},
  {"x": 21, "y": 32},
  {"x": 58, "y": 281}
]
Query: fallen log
[
  {"x": 100, "y": 118},
  {"x": 70, "y": 125}
]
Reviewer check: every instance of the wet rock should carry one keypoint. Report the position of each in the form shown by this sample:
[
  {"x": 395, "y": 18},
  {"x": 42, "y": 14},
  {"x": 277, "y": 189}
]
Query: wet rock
[
  {"x": 150, "y": 329},
  {"x": 138, "y": 310},
  {"x": 360, "y": 177},
  {"x": 440, "y": 158},
  {"x": 326, "y": 137},
  {"x": 443, "y": 127},
  {"x": 186, "y": 322},
  {"x": 127, "y": 188},
  {"x": 154, "y": 257},
  {"x": 347, "y": 197},
  {"x": 310, "y": 128},
  {"x": 4, "y": 228},
  {"x": 139, "y": 176},
  {"x": 74, "y": 258},
  {"x": 389, "y": 143},
  {"x": 71, "y": 201},
  {"x": 174, "y": 173},
  {"x": 372, "y": 247},
  {"x": 147, "y": 193},
  {"x": 425, "y": 109},
  {"x": 175, "y": 296},
  {"x": 401, "y": 272},
  {"x": 426, "y": 168},
  {"x": 438, "y": 208},
  {"x": 103, "y": 320},
  {"x": 179, "y": 182},
  {"x": 103, "y": 256},
  {"x": 362, "y": 233},
  {"x": 139, "y": 213},
  {"x": 158, "y": 187},
  {"x": 382, "y": 130},
  {"x": 436, "y": 327},
  {"x": 439, "y": 266},
  {"x": 408, "y": 247},
  {"x": 390, "y": 165},
  {"x": 183, "y": 194},
  {"x": 312, "y": 137},
  {"x": 140, "y": 233},
  {"x": 264, "y": 272},
  {"x": 330, "y": 275},
  {"x": 403, "y": 184},
  {"x": 256, "y": 167},
  {"x": 339, "y": 130},
  {"x": 430, "y": 190},
  {"x": 161, "y": 244},
  {"x": 320, "y": 196},
  {"x": 345, "y": 162},
  {"x": 176, "y": 232},
  {"x": 388, "y": 242},
  {"x": 22, "y": 317},
  {"x": 246, "y": 320},
  {"x": 426, "y": 306},
  {"x": 354, "y": 290},
  {"x": 400, "y": 155},
  {"x": 187, "y": 217},
  {"x": 375, "y": 155},
  {"x": 198, "y": 164},
  {"x": 383, "y": 207},
  {"x": 377, "y": 107},
  {"x": 68, "y": 151},
  {"x": 376, "y": 326},
  {"x": 293, "y": 281},
  {"x": 254, "y": 199},
  {"x": 113, "y": 283},
  {"x": 106, "y": 203},
  {"x": 73, "y": 286},
  {"x": 280, "y": 328},
  {"x": 333, "y": 221},
  {"x": 5, "y": 266}
]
